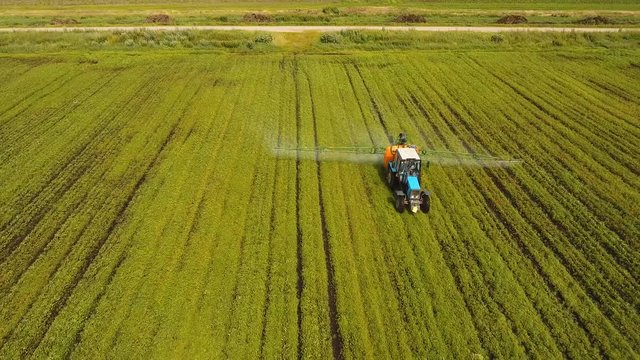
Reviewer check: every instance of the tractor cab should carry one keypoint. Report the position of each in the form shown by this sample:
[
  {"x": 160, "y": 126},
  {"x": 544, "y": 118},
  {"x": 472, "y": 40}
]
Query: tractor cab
[{"x": 408, "y": 162}]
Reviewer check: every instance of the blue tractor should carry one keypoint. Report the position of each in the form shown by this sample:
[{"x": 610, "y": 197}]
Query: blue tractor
[{"x": 403, "y": 176}]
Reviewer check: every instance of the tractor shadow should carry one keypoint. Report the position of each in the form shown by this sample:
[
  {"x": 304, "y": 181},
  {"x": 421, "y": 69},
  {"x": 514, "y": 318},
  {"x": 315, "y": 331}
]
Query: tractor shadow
[{"x": 382, "y": 173}]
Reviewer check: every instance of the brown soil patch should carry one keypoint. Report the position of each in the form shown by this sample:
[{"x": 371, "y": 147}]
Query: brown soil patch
[
  {"x": 595, "y": 20},
  {"x": 158, "y": 19},
  {"x": 411, "y": 18},
  {"x": 512, "y": 19},
  {"x": 256, "y": 17},
  {"x": 63, "y": 21}
]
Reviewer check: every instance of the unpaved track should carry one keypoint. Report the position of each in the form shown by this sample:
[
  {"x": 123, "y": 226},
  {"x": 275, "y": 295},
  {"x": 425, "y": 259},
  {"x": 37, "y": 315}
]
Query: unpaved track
[{"x": 297, "y": 28}]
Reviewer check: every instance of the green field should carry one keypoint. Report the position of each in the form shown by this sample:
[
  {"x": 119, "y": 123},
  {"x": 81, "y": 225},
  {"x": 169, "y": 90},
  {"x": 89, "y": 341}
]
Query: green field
[{"x": 144, "y": 215}]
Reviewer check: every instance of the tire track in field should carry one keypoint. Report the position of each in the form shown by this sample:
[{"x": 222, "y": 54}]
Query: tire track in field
[
  {"x": 76, "y": 103},
  {"x": 69, "y": 288},
  {"x": 560, "y": 298},
  {"x": 611, "y": 224},
  {"x": 579, "y": 198},
  {"x": 82, "y": 230},
  {"x": 38, "y": 98},
  {"x": 455, "y": 275},
  {"x": 337, "y": 343},
  {"x": 396, "y": 285},
  {"x": 272, "y": 231},
  {"x": 137, "y": 288},
  {"x": 299, "y": 269},
  {"x": 123, "y": 255},
  {"x": 403, "y": 306},
  {"x": 38, "y": 253},
  {"x": 62, "y": 301},
  {"x": 241, "y": 260},
  {"x": 448, "y": 260},
  {"x": 540, "y": 231},
  {"x": 620, "y": 257},
  {"x": 353, "y": 90},
  {"x": 374, "y": 104},
  {"x": 51, "y": 178},
  {"x": 491, "y": 206},
  {"x": 15, "y": 241},
  {"x": 553, "y": 116}
]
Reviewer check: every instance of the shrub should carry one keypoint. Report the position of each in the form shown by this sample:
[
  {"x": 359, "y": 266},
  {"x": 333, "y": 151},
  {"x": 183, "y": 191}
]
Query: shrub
[
  {"x": 263, "y": 39},
  {"x": 158, "y": 19},
  {"x": 512, "y": 19},
  {"x": 356, "y": 36},
  {"x": 595, "y": 20},
  {"x": 63, "y": 21},
  {"x": 256, "y": 17},
  {"x": 88, "y": 59},
  {"x": 129, "y": 42},
  {"x": 497, "y": 38},
  {"x": 410, "y": 18},
  {"x": 330, "y": 10},
  {"x": 329, "y": 39}
]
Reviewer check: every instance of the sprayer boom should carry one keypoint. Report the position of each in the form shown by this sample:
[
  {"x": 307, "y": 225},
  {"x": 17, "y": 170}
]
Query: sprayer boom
[{"x": 403, "y": 164}]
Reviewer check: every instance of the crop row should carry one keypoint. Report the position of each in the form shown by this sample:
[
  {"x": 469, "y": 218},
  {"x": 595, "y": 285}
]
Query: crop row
[{"x": 144, "y": 214}]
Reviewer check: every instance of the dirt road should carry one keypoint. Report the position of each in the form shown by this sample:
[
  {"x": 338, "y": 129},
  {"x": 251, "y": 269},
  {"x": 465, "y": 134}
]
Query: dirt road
[{"x": 297, "y": 28}]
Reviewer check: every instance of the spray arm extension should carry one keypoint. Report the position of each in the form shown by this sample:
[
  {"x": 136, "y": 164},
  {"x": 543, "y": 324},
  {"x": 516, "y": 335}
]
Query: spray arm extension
[
  {"x": 339, "y": 149},
  {"x": 439, "y": 157},
  {"x": 450, "y": 157}
]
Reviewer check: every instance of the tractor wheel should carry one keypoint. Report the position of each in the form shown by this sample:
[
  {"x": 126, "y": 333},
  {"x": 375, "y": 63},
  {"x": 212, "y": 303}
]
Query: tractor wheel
[
  {"x": 400, "y": 203},
  {"x": 391, "y": 179},
  {"x": 426, "y": 203}
]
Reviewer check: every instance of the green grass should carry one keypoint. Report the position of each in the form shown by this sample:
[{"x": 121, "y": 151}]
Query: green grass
[
  {"x": 143, "y": 214},
  {"x": 87, "y": 44}
]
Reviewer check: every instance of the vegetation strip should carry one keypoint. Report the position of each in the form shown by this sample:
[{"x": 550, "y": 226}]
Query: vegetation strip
[{"x": 336, "y": 337}]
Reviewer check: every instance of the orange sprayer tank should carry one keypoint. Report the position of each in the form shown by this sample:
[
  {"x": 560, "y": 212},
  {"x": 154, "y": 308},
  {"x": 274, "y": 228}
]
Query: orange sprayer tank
[{"x": 389, "y": 153}]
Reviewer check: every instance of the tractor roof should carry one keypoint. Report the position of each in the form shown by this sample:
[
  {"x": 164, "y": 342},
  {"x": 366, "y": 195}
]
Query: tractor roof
[{"x": 408, "y": 153}]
